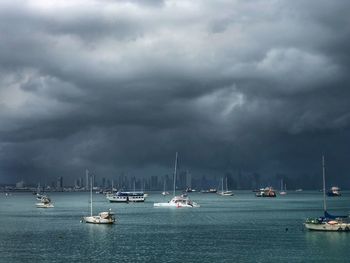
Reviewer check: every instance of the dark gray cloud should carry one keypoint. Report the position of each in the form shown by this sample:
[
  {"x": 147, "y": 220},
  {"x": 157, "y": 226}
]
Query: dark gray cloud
[{"x": 258, "y": 86}]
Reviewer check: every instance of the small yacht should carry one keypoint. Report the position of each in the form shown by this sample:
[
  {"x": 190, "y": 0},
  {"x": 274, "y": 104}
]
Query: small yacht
[
  {"x": 178, "y": 201},
  {"x": 101, "y": 218},
  {"x": 328, "y": 222},
  {"x": 165, "y": 193},
  {"x": 266, "y": 192},
  {"x": 283, "y": 191},
  {"x": 45, "y": 202},
  {"x": 227, "y": 192}
]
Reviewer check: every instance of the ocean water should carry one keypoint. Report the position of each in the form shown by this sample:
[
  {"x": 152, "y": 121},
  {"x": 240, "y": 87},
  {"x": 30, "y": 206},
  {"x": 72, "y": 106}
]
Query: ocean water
[{"x": 241, "y": 228}]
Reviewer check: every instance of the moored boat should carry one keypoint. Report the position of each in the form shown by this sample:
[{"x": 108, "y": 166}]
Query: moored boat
[
  {"x": 101, "y": 218},
  {"x": 266, "y": 192},
  {"x": 177, "y": 201},
  {"x": 45, "y": 202},
  {"x": 334, "y": 191},
  {"x": 327, "y": 222},
  {"x": 124, "y": 197}
]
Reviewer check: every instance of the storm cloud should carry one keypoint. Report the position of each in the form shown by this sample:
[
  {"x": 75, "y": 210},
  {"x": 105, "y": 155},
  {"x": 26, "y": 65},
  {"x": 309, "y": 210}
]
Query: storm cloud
[{"x": 256, "y": 86}]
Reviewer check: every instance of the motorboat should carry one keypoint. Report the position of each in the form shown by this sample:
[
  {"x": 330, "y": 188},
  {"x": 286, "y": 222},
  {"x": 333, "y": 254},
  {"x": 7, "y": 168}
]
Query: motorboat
[
  {"x": 334, "y": 191},
  {"x": 209, "y": 191},
  {"x": 165, "y": 193},
  {"x": 101, "y": 218},
  {"x": 178, "y": 201},
  {"x": 45, "y": 202},
  {"x": 266, "y": 192},
  {"x": 327, "y": 222}
]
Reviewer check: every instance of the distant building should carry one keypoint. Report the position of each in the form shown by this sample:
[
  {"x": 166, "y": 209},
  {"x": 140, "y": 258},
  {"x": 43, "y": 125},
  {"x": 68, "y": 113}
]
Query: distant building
[
  {"x": 20, "y": 184},
  {"x": 59, "y": 183}
]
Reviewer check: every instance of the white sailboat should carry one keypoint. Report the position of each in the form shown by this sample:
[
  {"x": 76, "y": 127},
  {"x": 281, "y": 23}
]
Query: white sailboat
[
  {"x": 227, "y": 192},
  {"x": 327, "y": 222},
  {"x": 283, "y": 191},
  {"x": 101, "y": 218},
  {"x": 177, "y": 201},
  {"x": 164, "y": 193}
]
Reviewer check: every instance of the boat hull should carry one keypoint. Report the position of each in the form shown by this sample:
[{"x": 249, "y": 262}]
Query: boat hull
[
  {"x": 328, "y": 227},
  {"x": 97, "y": 220},
  {"x": 173, "y": 205},
  {"x": 42, "y": 205}
]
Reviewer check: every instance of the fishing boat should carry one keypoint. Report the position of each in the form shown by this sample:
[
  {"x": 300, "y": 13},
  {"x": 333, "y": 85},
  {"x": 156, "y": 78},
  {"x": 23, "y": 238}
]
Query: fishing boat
[
  {"x": 177, "y": 201},
  {"x": 227, "y": 192},
  {"x": 334, "y": 191},
  {"x": 327, "y": 222},
  {"x": 266, "y": 192},
  {"x": 283, "y": 191},
  {"x": 45, "y": 202},
  {"x": 101, "y": 218}
]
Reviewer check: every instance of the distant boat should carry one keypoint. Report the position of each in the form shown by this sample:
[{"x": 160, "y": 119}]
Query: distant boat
[
  {"x": 164, "y": 193},
  {"x": 227, "y": 192},
  {"x": 334, "y": 191},
  {"x": 177, "y": 201},
  {"x": 45, "y": 202},
  {"x": 283, "y": 191},
  {"x": 299, "y": 190},
  {"x": 209, "y": 191},
  {"x": 101, "y": 218},
  {"x": 266, "y": 192},
  {"x": 327, "y": 222}
]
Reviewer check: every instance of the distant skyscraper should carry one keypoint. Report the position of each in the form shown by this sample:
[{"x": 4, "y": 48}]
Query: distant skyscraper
[
  {"x": 59, "y": 183},
  {"x": 86, "y": 179},
  {"x": 188, "y": 179}
]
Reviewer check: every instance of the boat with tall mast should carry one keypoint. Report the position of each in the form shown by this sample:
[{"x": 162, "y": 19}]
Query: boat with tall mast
[
  {"x": 283, "y": 191},
  {"x": 327, "y": 222},
  {"x": 227, "y": 192},
  {"x": 45, "y": 202},
  {"x": 101, "y": 218},
  {"x": 177, "y": 201}
]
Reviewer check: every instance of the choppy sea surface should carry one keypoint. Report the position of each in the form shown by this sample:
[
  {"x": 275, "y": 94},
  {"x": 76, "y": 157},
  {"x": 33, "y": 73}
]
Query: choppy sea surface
[{"x": 241, "y": 228}]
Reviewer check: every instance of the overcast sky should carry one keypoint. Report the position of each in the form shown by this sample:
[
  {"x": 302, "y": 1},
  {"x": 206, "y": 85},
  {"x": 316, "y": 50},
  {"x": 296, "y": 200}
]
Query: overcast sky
[{"x": 261, "y": 86}]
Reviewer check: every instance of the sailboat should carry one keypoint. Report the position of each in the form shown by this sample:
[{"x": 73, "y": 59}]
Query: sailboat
[
  {"x": 327, "y": 222},
  {"x": 227, "y": 192},
  {"x": 164, "y": 193},
  {"x": 177, "y": 201},
  {"x": 283, "y": 192},
  {"x": 101, "y": 218}
]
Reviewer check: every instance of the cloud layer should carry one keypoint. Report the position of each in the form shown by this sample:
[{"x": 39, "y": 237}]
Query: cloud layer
[{"x": 261, "y": 86}]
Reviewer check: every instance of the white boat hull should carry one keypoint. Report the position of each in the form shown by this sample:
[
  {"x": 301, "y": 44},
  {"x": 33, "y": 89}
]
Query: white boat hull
[
  {"x": 42, "y": 205},
  {"x": 176, "y": 205},
  {"x": 328, "y": 227},
  {"x": 98, "y": 220}
]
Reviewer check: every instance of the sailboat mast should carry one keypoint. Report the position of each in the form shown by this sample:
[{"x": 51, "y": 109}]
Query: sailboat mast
[
  {"x": 324, "y": 185},
  {"x": 222, "y": 185},
  {"x": 175, "y": 172},
  {"x": 90, "y": 195}
]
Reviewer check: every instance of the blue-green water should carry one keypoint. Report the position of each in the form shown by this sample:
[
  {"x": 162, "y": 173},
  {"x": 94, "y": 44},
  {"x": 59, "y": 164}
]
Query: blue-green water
[{"x": 241, "y": 228}]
